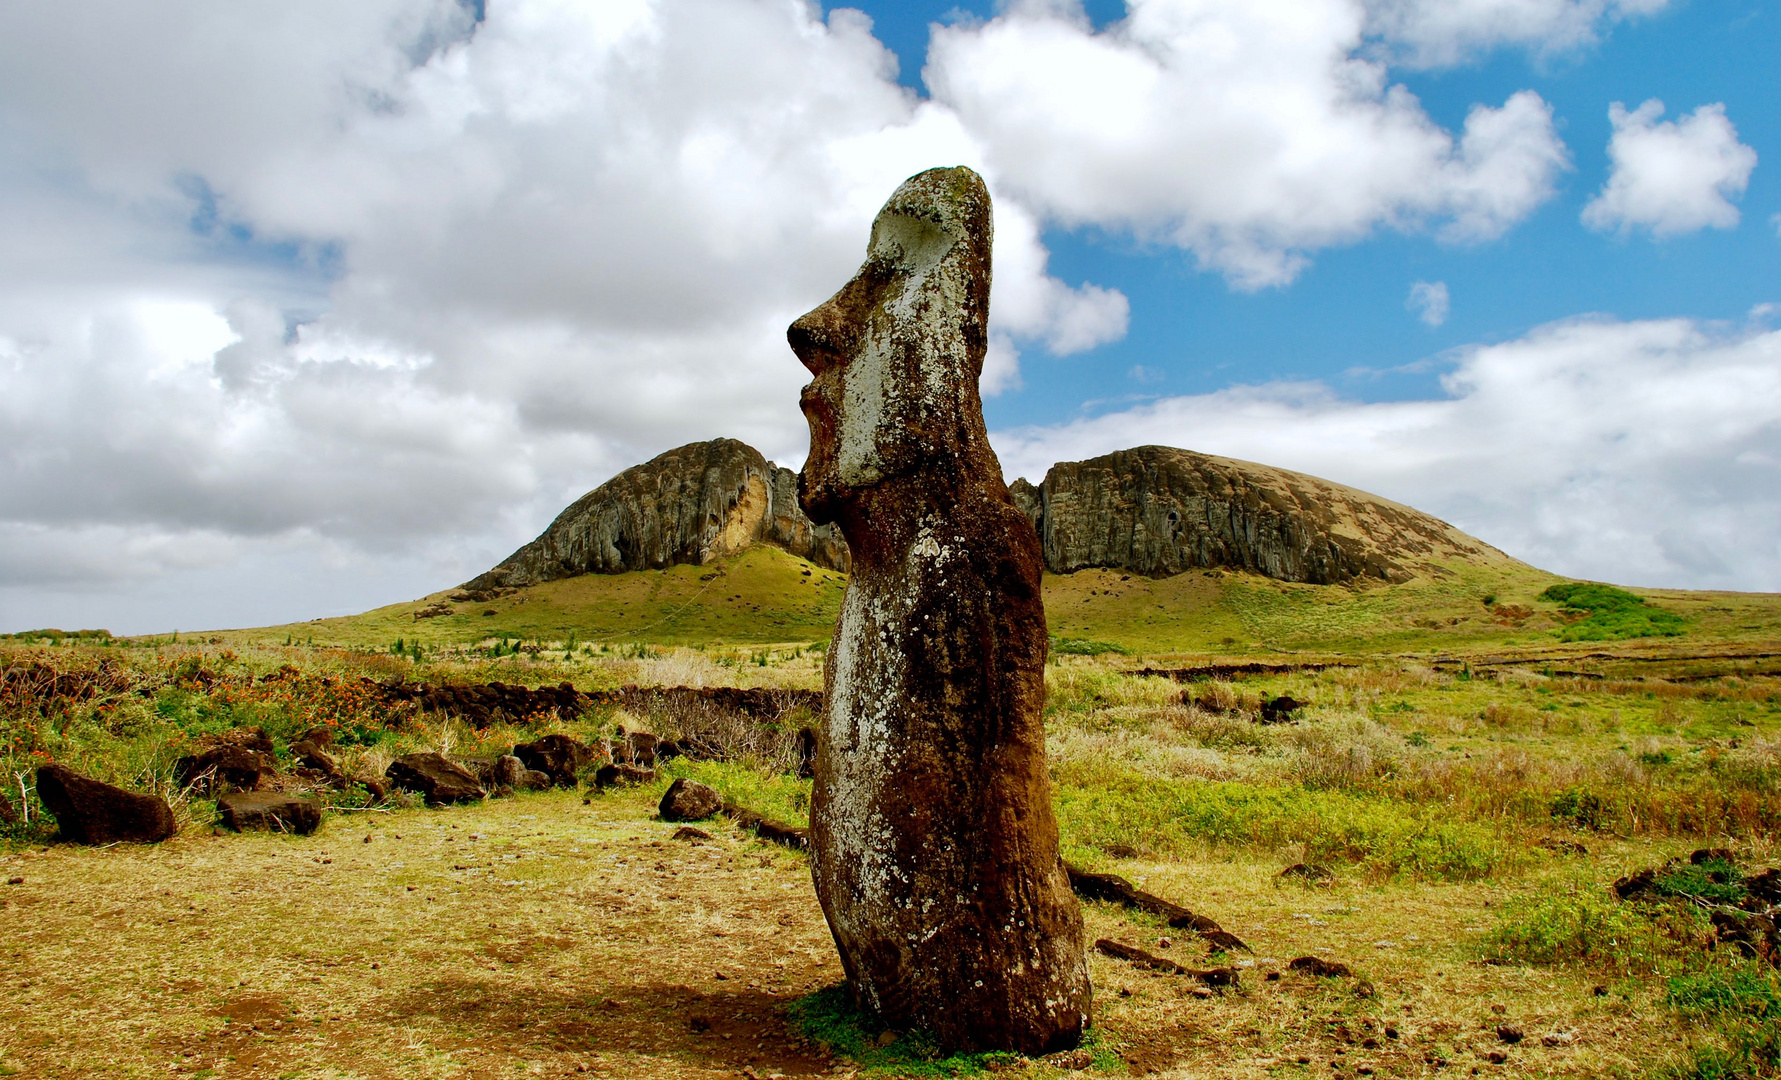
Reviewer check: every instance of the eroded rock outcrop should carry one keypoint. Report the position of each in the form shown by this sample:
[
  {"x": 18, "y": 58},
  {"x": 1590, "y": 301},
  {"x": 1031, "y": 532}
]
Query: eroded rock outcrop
[
  {"x": 934, "y": 848},
  {"x": 1158, "y": 511},
  {"x": 691, "y": 505}
]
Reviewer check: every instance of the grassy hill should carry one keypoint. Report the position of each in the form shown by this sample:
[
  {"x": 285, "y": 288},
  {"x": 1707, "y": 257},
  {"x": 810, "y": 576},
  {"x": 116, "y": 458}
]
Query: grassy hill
[{"x": 766, "y": 596}]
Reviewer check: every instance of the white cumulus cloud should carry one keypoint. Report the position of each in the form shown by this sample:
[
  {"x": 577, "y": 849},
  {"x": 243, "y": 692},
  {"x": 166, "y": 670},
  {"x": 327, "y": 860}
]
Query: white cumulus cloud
[
  {"x": 1430, "y": 301},
  {"x": 1252, "y": 135},
  {"x": 1646, "y": 453},
  {"x": 1434, "y": 33},
  {"x": 1671, "y": 177}
]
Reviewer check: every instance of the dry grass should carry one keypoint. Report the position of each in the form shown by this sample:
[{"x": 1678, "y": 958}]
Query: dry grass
[
  {"x": 570, "y": 935},
  {"x": 538, "y": 936}
]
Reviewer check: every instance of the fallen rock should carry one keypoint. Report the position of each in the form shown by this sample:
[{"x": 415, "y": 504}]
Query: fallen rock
[
  {"x": 1323, "y": 969},
  {"x": 434, "y": 778},
  {"x": 1280, "y": 710},
  {"x": 635, "y": 748},
  {"x": 1219, "y": 976},
  {"x": 269, "y": 810},
  {"x": 1308, "y": 872},
  {"x": 1636, "y": 885},
  {"x": 689, "y": 800},
  {"x": 1765, "y": 887},
  {"x": 1752, "y": 933},
  {"x": 559, "y": 757},
  {"x": 92, "y": 812},
  {"x": 227, "y": 766},
  {"x": 1115, "y": 889},
  {"x": 486, "y": 703},
  {"x": 687, "y": 832},
  {"x": 310, "y": 754},
  {"x": 511, "y": 772},
  {"x": 622, "y": 776},
  {"x": 774, "y": 832},
  {"x": 1715, "y": 854},
  {"x": 1510, "y": 1034}
]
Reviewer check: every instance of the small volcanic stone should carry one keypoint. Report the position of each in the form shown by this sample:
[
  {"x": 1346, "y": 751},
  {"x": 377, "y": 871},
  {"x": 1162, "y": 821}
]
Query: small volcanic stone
[
  {"x": 689, "y": 800},
  {"x": 269, "y": 810}
]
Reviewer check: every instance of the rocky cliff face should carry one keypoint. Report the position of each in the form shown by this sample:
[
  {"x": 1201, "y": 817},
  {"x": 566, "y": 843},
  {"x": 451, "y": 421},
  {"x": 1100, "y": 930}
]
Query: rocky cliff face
[
  {"x": 1157, "y": 511},
  {"x": 692, "y": 504},
  {"x": 1152, "y": 510}
]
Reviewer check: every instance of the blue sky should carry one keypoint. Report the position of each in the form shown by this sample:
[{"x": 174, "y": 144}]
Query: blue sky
[
  {"x": 310, "y": 308},
  {"x": 1345, "y": 321}
]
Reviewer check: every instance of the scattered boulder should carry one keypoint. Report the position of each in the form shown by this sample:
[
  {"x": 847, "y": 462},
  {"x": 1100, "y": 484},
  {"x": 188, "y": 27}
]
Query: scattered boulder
[
  {"x": 774, "y": 832},
  {"x": 1280, "y": 710},
  {"x": 622, "y": 776},
  {"x": 559, "y": 757},
  {"x": 635, "y": 748},
  {"x": 1215, "y": 977},
  {"x": 689, "y": 800},
  {"x": 1750, "y": 932},
  {"x": 434, "y": 778},
  {"x": 1308, "y": 872},
  {"x": 238, "y": 760},
  {"x": 1634, "y": 886},
  {"x": 483, "y": 704},
  {"x": 1319, "y": 967},
  {"x": 687, "y": 832},
  {"x": 1510, "y": 1034},
  {"x": 310, "y": 754},
  {"x": 1115, "y": 889},
  {"x": 92, "y": 812},
  {"x": 510, "y": 772},
  {"x": 269, "y": 810}
]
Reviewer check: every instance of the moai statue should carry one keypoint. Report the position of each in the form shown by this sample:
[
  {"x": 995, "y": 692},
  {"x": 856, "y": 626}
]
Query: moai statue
[{"x": 933, "y": 842}]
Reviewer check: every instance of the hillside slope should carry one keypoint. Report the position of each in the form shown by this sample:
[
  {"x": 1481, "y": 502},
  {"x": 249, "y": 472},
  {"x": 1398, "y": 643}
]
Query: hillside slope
[{"x": 1151, "y": 510}]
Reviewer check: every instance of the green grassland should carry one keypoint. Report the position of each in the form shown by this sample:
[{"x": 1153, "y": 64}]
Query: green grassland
[
  {"x": 1477, "y": 753},
  {"x": 765, "y": 596}
]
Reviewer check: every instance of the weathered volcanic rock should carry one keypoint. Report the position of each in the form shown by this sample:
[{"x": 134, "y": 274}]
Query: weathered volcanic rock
[
  {"x": 92, "y": 812},
  {"x": 933, "y": 843},
  {"x": 222, "y": 768},
  {"x": 1158, "y": 511},
  {"x": 269, "y": 810},
  {"x": 622, "y": 775},
  {"x": 693, "y": 504},
  {"x": 559, "y": 757},
  {"x": 434, "y": 777},
  {"x": 689, "y": 800}
]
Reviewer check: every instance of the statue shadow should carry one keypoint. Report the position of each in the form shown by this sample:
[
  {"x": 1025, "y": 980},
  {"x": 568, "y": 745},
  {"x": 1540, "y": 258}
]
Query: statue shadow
[{"x": 719, "y": 1029}]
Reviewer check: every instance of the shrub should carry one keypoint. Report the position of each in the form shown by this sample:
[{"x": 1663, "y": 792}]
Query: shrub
[
  {"x": 1584, "y": 923},
  {"x": 1085, "y": 647},
  {"x": 1613, "y": 614}
]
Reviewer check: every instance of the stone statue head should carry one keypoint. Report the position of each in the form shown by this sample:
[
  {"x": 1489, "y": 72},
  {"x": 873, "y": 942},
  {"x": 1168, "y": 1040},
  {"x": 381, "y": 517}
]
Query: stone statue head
[{"x": 896, "y": 354}]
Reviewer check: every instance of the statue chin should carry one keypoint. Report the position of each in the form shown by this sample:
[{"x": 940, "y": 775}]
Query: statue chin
[{"x": 820, "y": 496}]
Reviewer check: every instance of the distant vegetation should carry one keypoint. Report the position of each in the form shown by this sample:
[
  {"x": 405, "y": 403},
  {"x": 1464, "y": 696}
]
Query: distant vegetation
[{"x": 1613, "y": 614}]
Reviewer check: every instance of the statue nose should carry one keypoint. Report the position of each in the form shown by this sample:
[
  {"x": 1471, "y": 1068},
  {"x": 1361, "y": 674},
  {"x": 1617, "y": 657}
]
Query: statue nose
[{"x": 818, "y": 339}]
